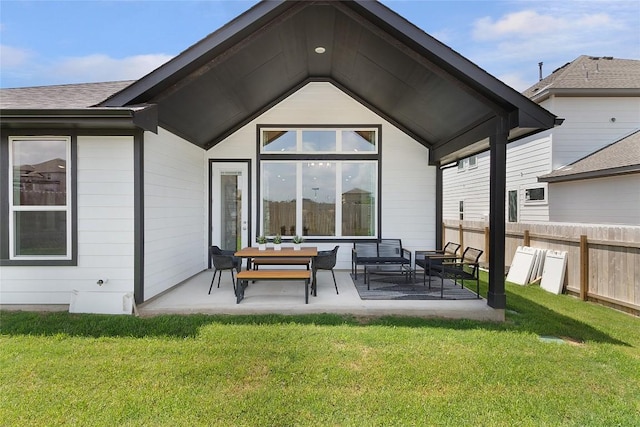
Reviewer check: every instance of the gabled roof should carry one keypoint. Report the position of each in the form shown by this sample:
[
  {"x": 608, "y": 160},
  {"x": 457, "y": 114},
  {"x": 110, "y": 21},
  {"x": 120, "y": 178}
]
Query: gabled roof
[
  {"x": 371, "y": 53},
  {"x": 603, "y": 75},
  {"x": 618, "y": 158},
  {"x": 69, "y": 96}
]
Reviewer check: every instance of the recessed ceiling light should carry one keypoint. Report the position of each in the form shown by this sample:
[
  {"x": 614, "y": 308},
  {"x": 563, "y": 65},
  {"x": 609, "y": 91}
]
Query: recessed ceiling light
[{"x": 320, "y": 49}]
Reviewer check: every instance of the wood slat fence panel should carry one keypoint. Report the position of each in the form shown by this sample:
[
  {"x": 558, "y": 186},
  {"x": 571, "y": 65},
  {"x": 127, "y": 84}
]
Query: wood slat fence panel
[{"x": 611, "y": 260}]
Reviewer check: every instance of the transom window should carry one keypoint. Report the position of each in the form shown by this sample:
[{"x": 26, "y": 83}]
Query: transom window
[
  {"x": 319, "y": 141},
  {"x": 319, "y": 183},
  {"x": 40, "y": 198}
]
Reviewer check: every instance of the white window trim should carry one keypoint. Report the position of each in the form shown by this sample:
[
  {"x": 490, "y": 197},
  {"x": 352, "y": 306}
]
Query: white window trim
[
  {"x": 68, "y": 207},
  {"x": 536, "y": 202}
]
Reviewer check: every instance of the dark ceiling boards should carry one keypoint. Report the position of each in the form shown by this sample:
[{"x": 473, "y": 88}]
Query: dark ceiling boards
[{"x": 392, "y": 67}]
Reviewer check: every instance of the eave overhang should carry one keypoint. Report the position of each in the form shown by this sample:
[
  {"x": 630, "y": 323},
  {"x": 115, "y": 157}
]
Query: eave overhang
[
  {"x": 604, "y": 173},
  {"x": 423, "y": 87},
  {"x": 143, "y": 117}
]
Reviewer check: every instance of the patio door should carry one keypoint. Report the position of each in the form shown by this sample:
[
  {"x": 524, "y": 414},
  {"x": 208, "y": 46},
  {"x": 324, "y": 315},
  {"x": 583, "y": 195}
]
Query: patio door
[{"x": 230, "y": 223}]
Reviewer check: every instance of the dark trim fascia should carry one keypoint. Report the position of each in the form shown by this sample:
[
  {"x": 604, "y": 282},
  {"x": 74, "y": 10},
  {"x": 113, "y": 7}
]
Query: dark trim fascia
[
  {"x": 4, "y": 202},
  {"x": 605, "y": 173},
  {"x": 200, "y": 53},
  {"x": 138, "y": 217},
  {"x": 144, "y": 117},
  {"x": 451, "y": 62}
]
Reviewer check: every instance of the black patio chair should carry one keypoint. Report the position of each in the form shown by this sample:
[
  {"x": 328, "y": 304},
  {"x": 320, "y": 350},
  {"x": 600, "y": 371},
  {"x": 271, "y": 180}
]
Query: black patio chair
[
  {"x": 466, "y": 267},
  {"x": 425, "y": 258},
  {"x": 222, "y": 260},
  {"x": 325, "y": 260}
]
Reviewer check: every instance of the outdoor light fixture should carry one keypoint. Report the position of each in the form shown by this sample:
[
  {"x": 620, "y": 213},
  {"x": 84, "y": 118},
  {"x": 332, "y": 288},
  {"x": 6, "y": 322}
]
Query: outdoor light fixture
[{"x": 320, "y": 50}]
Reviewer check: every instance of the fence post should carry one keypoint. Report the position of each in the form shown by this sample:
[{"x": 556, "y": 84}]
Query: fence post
[
  {"x": 461, "y": 235},
  {"x": 444, "y": 235},
  {"x": 526, "y": 239},
  {"x": 486, "y": 244},
  {"x": 584, "y": 268}
]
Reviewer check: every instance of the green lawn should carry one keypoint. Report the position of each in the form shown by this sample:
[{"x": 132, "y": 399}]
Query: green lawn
[{"x": 91, "y": 370}]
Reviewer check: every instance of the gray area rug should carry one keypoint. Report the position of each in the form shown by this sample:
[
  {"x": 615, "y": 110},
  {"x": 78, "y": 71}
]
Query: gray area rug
[{"x": 395, "y": 287}]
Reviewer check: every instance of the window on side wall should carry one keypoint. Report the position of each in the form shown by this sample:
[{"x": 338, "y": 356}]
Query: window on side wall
[
  {"x": 40, "y": 198},
  {"x": 319, "y": 183},
  {"x": 535, "y": 195}
]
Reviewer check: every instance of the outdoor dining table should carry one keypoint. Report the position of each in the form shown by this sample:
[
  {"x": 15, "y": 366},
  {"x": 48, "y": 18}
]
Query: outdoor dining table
[{"x": 251, "y": 252}]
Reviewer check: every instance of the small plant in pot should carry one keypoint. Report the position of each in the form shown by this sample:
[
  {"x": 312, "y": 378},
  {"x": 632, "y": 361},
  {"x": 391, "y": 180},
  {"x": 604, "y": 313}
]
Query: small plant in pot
[
  {"x": 277, "y": 242},
  {"x": 297, "y": 240},
  {"x": 262, "y": 243}
]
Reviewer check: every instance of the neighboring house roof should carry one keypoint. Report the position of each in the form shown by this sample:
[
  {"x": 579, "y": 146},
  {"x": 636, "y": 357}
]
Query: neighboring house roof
[
  {"x": 621, "y": 157},
  {"x": 70, "y": 96},
  {"x": 377, "y": 57},
  {"x": 605, "y": 74}
]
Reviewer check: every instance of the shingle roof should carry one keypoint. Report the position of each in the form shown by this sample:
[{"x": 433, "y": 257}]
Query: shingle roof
[
  {"x": 589, "y": 72},
  {"x": 623, "y": 156},
  {"x": 68, "y": 96}
]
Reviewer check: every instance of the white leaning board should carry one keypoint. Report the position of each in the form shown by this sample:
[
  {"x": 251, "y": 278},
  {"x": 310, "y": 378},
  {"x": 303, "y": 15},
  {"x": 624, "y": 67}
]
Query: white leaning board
[
  {"x": 101, "y": 302},
  {"x": 521, "y": 266},
  {"x": 555, "y": 266}
]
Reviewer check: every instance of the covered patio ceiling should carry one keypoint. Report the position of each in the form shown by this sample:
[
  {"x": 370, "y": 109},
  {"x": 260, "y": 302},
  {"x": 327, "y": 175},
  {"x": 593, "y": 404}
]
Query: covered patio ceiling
[{"x": 380, "y": 59}]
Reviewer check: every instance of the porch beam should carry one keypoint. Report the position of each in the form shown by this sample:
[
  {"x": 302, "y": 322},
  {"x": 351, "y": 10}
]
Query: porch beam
[{"x": 496, "y": 296}]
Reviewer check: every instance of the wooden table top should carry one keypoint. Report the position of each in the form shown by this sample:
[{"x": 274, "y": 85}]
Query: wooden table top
[{"x": 252, "y": 252}]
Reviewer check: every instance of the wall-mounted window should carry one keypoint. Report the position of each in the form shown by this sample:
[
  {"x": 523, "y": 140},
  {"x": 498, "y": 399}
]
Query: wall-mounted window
[
  {"x": 535, "y": 195},
  {"x": 513, "y": 205},
  {"x": 467, "y": 163},
  {"x": 473, "y": 162},
  {"x": 319, "y": 183},
  {"x": 461, "y": 210},
  {"x": 40, "y": 198}
]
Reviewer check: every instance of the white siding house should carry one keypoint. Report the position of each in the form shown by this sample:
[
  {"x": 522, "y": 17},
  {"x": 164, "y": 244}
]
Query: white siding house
[
  {"x": 597, "y": 110},
  {"x": 408, "y": 211},
  {"x": 129, "y": 184}
]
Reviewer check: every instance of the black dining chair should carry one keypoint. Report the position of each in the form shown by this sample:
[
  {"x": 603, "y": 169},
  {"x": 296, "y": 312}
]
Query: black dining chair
[
  {"x": 325, "y": 260},
  {"x": 223, "y": 260}
]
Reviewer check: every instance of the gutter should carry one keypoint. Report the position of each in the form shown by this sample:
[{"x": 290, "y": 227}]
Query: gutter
[{"x": 144, "y": 117}]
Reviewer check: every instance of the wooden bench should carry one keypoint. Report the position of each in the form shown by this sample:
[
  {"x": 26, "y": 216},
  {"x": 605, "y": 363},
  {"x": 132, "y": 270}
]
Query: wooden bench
[
  {"x": 280, "y": 261},
  {"x": 243, "y": 278}
]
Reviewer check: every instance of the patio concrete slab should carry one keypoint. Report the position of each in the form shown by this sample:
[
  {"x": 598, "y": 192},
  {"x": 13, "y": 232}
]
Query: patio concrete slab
[{"x": 288, "y": 298}]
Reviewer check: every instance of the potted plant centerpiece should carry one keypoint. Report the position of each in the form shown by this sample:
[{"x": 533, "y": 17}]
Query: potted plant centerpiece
[
  {"x": 297, "y": 240},
  {"x": 262, "y": 243},
  {"x": 277, "y": 242}
]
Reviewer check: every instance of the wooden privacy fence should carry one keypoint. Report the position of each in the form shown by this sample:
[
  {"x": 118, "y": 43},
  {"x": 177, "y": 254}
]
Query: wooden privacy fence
[{"x": 603, "y": 261}]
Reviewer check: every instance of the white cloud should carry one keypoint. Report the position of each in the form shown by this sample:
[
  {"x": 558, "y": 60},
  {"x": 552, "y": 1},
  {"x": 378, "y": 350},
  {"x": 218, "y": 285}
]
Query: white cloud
[
  {"x": 100, "y": 67},
  {"x": 516, "y": 81},
  {"x": 13, "y": 57},
  {"x": 20, "y": 67},
  {"x": 527, "y": 23}
]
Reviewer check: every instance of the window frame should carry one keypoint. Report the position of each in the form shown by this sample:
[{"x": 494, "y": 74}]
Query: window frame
[
  {"x": 7, "y": 224},
  {"x": 543, "y": 201},
  {"x": 338, "y": 157}
]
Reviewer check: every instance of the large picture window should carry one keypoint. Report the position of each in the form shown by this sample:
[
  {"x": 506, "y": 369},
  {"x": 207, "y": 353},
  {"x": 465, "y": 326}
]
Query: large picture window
[
  {"x": 40, "y": 198},
  {"x": 319, "y": 183}
]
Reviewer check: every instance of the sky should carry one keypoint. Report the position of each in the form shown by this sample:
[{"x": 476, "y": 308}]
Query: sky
[{"x": 61, "y": 42}]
